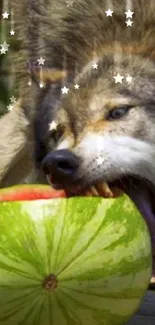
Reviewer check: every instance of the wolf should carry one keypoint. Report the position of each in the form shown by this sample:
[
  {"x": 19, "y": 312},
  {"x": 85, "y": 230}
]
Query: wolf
[{"x": 95, "y": 123}]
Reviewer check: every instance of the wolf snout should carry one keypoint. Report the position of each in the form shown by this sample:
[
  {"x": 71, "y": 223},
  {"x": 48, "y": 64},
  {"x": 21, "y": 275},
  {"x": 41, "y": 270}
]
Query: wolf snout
[{"x": 61, "y": 165}]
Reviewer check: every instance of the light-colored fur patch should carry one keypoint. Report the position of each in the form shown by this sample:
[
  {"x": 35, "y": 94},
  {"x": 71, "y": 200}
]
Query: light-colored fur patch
[
  {"x": 121, "y": 155},
  {"x": 65, "y": 144}
]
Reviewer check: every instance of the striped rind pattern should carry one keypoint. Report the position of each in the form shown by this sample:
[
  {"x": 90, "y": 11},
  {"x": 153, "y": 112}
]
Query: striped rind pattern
[{"x": 99, "y": 249}]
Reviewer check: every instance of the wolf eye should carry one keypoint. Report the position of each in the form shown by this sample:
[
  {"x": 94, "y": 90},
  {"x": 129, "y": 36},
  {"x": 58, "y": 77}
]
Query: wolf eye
[{"x": 117, "y": 113}]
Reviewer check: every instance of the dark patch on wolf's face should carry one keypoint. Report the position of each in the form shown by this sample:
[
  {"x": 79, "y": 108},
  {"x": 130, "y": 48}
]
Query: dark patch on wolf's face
[{"x": 46, "y": 108}]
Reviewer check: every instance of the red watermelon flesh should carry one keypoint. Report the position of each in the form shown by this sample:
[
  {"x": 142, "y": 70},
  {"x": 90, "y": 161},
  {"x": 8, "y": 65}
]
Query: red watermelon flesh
[{"x": 30, "y": 192}]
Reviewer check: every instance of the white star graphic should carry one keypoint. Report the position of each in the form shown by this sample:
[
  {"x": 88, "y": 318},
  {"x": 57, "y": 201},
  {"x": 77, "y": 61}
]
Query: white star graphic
[
  {"x": 118, "y": 78},
  {"x": 5, "y": 46},
  {"x": 13, "y": 99},
  {"x": 129, "y": 79},
  {"x": 76, "y": 86},
  {"x": 129, "y": 13},
  {"x": 3, "y": 51},
  {"x": 95, "y": 65},
  {"x": 5, "y": 15},
  {"x": 69, "y": 2},
  {"x": 109, "y": 12},
  {"x": 64, "y": 90},
  {"x": 129, "y": 22},
  {"x": 41, "y": 61},
  {"x": 12, "y": 32},
  {"x": 53, "y": 126},
  {"x": 10, "y": 107},
  {"x": 100, "y": 160}
]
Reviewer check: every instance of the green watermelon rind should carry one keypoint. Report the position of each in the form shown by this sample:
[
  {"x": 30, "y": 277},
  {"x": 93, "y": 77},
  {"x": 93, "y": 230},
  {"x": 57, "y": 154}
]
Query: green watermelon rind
[{"x": 99, "y": 250}]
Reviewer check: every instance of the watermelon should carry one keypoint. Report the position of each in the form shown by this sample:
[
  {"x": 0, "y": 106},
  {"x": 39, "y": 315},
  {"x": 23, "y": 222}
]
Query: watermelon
[
  {"x": 70, "y": 261},
  {"x": 29, "y": 192}
]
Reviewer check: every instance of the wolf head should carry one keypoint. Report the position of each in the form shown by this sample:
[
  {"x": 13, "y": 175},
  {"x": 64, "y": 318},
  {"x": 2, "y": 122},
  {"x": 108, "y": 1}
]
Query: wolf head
[
  {"x": 102, "y": 121},
  {"x": 108, "y": 126}
]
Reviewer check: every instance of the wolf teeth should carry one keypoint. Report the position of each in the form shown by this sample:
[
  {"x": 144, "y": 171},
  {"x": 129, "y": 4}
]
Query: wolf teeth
[
  {"x": 94, "y": 191},
  {"x": 49, "y": 179},
  {"x": 101, "y": 189},
  {"x": 104, "y": 190}
]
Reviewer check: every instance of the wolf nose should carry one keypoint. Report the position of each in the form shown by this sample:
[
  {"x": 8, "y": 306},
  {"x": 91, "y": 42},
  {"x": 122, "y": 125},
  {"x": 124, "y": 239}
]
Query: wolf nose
[{"x": 61, "y": 164}]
